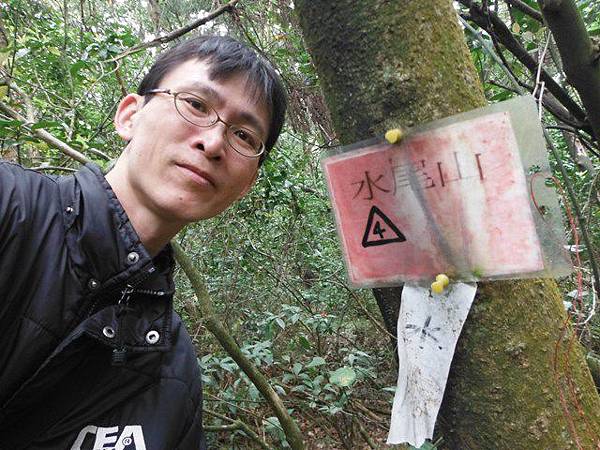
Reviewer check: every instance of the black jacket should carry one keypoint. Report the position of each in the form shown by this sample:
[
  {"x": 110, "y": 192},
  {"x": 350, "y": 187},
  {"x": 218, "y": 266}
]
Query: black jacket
[{"x": 92, "y": 355}]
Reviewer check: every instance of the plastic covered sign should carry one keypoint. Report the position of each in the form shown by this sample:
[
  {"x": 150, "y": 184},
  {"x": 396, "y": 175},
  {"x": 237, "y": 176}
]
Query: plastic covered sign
[{"x": 455, "y": 196}]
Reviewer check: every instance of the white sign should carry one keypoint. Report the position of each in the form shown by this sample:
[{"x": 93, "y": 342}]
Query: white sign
[{"x": 428, "y": 329}]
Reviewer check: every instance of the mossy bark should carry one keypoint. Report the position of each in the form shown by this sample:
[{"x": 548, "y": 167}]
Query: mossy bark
[{"x": 385, "y": 63}]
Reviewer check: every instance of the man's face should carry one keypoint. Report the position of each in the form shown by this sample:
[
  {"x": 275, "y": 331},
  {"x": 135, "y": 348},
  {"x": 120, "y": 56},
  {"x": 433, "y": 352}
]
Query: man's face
[{"x": 183, "y": 172}]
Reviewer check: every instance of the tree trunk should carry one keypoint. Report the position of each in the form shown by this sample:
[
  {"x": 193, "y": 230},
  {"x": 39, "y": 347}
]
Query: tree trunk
[{"x": 386, "y": 63}]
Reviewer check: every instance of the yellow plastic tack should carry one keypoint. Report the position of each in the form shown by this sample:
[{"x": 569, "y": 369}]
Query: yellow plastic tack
[
  {"x": 443, "y": 278},
  {"x": 394, "y": 135},
  {"x": 437, "y": 287}
]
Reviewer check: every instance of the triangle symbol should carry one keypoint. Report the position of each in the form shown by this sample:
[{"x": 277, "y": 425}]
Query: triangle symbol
[{"x": 380, "y": 230}]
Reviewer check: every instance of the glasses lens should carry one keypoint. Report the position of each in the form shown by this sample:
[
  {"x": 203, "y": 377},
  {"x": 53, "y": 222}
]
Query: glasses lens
[
  {"x": 195, "y": 109},
  {"x": 198, "y": 111},
  {"x": 244, "y": 141}
]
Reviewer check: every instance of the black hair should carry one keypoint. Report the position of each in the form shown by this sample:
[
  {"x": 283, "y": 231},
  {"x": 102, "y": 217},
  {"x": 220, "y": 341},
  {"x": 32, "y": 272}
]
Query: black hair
[{"x": 226, "y": 57}]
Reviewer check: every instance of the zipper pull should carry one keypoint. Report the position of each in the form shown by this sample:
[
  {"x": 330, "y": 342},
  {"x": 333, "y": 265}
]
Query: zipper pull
[
  {"x": 124, "y": 300},
  {"x": 119, "y": 354},
  {"x": 125, "y": 294}
]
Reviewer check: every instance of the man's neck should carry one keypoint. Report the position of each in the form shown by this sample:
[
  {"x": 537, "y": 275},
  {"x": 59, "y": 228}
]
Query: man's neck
[{"x": 153, "y": 232}]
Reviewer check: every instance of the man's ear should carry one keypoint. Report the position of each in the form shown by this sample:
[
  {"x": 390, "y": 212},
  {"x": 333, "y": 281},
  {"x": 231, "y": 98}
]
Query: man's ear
[
  {"x": 125, "y": 115},
  {"x": 249, "y": 185}
]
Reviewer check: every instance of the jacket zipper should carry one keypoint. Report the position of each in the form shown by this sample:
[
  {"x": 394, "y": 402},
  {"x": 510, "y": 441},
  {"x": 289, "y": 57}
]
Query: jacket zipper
[
  {"x": 101, "y": 296},
  {"x": 119, "y": 354}
]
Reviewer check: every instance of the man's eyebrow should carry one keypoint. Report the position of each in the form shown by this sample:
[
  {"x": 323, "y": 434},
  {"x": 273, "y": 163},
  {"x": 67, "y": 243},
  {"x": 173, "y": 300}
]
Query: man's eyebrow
[
  {"x": 204, "y": 90},
  {"x": 211, "y": 94}
]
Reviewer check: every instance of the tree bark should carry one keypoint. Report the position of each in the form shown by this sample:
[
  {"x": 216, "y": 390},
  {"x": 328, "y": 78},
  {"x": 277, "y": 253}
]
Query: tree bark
[{"x": 382, "y": 64}]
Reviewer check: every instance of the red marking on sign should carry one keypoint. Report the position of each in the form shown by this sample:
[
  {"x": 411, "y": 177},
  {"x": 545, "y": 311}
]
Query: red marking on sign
[{"x": 458, "y": 192}]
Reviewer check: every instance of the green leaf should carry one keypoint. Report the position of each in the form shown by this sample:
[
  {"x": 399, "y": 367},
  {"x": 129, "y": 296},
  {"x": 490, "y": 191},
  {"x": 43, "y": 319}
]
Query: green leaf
[
  {"x": 45, "y": 124},
  {"x": 316, "y": 361},
  {"x": 9, "y": 123},
  {"x": 272, "y": 423},
  {"x": 343, "y": 377},
  {"x": 76, "y": 67},
  {"x": 304, "y": 342},
  {"x": 297, "y": 368}
]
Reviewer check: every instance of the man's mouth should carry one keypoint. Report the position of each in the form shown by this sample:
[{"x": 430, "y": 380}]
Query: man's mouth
[{"x": 197, "y": 175}]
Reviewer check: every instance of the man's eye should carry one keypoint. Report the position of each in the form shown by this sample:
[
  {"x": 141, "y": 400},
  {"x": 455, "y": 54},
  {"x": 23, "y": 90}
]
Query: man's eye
[
  {"x": 246, "y": 138},
  {"x": 197, "y": 104},
  {"x": 243, "y": 135}
]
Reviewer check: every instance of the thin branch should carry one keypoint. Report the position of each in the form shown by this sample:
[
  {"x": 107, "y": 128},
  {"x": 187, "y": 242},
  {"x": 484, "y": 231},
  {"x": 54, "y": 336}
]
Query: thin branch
[
  {"x": 549, "y": 101},
  {"x": 505, "y": 37},
  {"x": 120, "y": 79},
  {"x": 364, "y": 309},
  {"x": 509, "y": 74},
  {"x": 502, "y": 86},
  {"x": 576, "y": 210},
  {"x": 215, "y": 326},
  {"x": 99, "y": 153},
  {"x": 525, "y": 8},
  {"x": 587, "y": 144},
  {"x": 44, "y": 135},
  {"x": 177, "y": 33},
  {"x": 497, "y": 46},
  {"x": 235, "y": 424},
  {"x": 28, "y": 104},
  {"x": 363, "y": 433}
]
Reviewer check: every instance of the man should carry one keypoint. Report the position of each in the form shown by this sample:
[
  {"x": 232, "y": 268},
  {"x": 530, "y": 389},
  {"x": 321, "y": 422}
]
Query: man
[{"x": 92, "y": 355}]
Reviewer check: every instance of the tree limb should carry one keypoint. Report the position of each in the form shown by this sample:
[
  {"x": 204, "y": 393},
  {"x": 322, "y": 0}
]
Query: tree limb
[
  {"x": 548, "y": 100},
  {"x": 215, "y": 326},
  {"x": 525, "y": 8},
  {"x": 363, "y": 433},
  {"x": 176, "y": 33},
  {"x": 580, "y": 59},
  {"x": 65, "y": 169},
  {"x": 235, "y": 424},
  {"x": 44, "y": 135},
  {"x": 483, "y": 18}
]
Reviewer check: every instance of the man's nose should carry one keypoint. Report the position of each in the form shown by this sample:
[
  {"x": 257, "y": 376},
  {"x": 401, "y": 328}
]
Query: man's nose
[{"x": 213, "y": 141}]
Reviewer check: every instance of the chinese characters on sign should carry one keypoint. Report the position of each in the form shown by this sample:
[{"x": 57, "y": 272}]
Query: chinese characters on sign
[
  {"x": 453, "y": 199},
  {"x": 400, "y": 176}
]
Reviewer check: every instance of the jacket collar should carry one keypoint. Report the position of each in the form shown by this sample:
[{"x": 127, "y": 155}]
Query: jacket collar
[{"x": 105, "y": 249}]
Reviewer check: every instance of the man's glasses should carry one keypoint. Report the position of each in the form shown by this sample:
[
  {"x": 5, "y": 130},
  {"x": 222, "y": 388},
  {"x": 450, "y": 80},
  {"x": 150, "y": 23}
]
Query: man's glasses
[{"x": 199, "y": 112}]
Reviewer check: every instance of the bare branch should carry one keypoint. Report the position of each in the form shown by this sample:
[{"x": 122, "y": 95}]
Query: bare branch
[
  {"x": 235, "y": 424},
  {"x": 525, "y": 8},
  {"x": 177, "y": 33},
  {"x": 484, "y": 18},
  {"x": 44, "y": 135}
]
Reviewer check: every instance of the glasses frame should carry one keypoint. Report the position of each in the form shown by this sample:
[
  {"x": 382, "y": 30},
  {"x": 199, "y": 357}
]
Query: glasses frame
[{"x": 228, "y": 126}]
